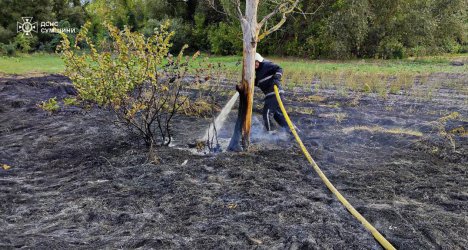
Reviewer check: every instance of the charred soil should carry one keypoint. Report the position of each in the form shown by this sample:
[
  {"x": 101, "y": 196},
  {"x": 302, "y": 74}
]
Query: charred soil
[{"x": 77, "y": 180}]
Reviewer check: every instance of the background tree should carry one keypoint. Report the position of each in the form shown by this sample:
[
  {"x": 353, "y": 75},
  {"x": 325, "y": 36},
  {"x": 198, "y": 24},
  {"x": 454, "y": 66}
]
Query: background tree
[
  {"x": 61, "y": 11},
  {"x": 339, "y": 29}
]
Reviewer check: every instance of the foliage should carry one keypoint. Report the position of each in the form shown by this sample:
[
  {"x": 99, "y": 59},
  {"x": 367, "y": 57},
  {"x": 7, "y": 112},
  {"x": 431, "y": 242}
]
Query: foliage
[
  {"x": 120, "y": 13},
  {"x": 24, "y": 43},
  {"x": 50, "y": 105},
  {"x": 225, "y": 39},
  {"x": 346, "y": 29},
  {"x": 8, "y": 49},
  {"x": 5, "y": 35},
  {"x": 182, "y": 31},
  {"x": 70, "y": 101},
  {"x": 373, "y": 29},
  {"x": 135, "y": 77},
  {"x": 12, "y": 12},
  {"x": 338, "y": 29},
  {"x": 391, "y": 49},
  {"x": 200, "y": 33}
]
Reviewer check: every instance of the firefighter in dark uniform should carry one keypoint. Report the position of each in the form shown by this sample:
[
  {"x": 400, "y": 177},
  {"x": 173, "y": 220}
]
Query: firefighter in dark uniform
[{"x": 268, "y": 74}]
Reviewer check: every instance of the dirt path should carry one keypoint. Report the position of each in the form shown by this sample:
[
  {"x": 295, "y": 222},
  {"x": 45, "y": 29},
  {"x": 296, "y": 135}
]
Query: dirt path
[{"x": 78, "y": 181}]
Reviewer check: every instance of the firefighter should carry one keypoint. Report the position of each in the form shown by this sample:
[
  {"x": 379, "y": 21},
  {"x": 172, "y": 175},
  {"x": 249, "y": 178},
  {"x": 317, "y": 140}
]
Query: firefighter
[{"x": 268, "y": 74}]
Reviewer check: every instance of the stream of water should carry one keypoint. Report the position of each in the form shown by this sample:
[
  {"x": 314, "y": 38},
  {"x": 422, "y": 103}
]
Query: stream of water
[{"x": 219, "y": 120}]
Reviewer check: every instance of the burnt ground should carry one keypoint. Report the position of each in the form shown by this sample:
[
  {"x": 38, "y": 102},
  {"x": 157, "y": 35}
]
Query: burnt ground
[{"x": 79, "y": 181}]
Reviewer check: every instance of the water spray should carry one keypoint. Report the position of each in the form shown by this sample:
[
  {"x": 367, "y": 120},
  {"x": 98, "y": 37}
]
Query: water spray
[{"x": 218, "y": 123}]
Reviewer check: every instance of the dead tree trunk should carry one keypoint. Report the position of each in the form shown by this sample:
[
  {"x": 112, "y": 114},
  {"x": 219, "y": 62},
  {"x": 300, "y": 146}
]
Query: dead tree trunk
[
  {"x": 246, "y": 87},
  {"x": 251, "y": 36}
]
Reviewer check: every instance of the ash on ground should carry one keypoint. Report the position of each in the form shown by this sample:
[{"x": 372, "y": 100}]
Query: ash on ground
[{"x": 78, "y": 181}]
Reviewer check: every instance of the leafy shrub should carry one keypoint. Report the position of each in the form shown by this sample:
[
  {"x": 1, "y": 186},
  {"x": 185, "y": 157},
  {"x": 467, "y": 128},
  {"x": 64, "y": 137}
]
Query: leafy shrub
[
  {"x": 181, "y": 29},
  {"x": 23, "y": 43},
  {"x": 70, "y": 101},
  {"x": 225, "y": 39},
  {"x": 5, "y": 35},
  {"x": 8, "y": 49},
  {"x": 452, "y": 46},
  {"x": 464, "y": 48},
  {"x": 50, "y": 105},
  {"x": 391, "y": 48},
  {"x": 418, "y": 51},
  {"x": 135, "y": 77},
  {"x": 2, "y": 50},
  {"x": 199, "y": 32}
]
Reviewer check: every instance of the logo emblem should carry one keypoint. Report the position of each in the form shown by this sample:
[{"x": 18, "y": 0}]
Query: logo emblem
[{"x": 26, "y": 26}]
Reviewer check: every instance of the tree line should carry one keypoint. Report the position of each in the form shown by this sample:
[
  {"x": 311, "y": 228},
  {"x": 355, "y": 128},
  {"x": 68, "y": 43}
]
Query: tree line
[{"x": 333, "y": 29}]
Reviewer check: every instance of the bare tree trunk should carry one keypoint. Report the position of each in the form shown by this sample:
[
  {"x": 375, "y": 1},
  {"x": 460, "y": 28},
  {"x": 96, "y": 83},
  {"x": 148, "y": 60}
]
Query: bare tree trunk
[{"x": 246, "y": 88}]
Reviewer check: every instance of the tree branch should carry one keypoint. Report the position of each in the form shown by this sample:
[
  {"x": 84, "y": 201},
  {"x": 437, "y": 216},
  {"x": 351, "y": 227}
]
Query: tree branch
[
  {"x": 212, "y": 4},
  {"x": 285, "y": 8},
  {"x": 226, "y": 11},
  {"x": 308, "y": 13},
  {"x": 238, "y": 7},
  {"x": 274, "y": 12}
]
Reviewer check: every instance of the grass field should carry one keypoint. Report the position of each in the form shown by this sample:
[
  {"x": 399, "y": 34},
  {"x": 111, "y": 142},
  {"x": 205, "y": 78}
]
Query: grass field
[
  {"x": 413, "y": 66},
  {"x": 52, "y": 63},
  {"x": 34, "y": 63}
]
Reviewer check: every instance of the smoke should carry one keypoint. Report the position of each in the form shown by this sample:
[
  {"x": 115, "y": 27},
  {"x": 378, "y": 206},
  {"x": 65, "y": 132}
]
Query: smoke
[{"x": 260, "y": 135}]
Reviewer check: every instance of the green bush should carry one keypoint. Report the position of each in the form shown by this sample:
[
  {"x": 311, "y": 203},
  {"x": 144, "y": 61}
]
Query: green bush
[
  {"x": 420, "y": 51},
  {"x": 5, "y": 35},
  {"x": 452, "y": 46},
  {"x": 391, "y": 48},
  {"x": 199, "y": 33},
  {"x": 182, "y": 31},
  {"x": 225, "y": 39},
  {"x": 8, "y": 49},
  {"x": 50, "y": 105},
  {"x": 135, "y": 77},
  {"x": 24, "y": 43},
  {"x": 464, "y": 48}
]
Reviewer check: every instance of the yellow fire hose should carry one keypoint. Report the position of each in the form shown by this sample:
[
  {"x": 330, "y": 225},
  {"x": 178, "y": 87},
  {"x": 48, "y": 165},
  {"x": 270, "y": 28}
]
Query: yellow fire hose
[{"x": 384, "y": 242}]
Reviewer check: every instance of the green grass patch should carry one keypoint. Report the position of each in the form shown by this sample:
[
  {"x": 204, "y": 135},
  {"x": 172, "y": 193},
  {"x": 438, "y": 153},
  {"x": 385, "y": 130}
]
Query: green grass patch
[
  {"x": 293, "y": 67},
  {"x": 34, "y": 63},
  {"x": 414, "y": 66}
]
